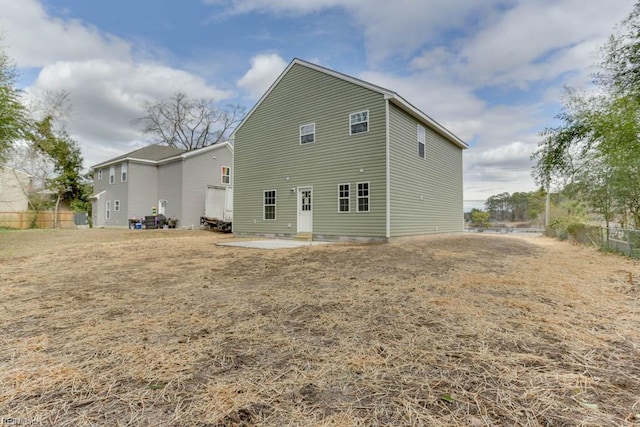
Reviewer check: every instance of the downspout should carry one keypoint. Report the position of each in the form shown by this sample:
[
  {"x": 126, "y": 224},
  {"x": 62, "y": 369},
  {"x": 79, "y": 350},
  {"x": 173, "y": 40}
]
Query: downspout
[{"x": 388, "y": 169}]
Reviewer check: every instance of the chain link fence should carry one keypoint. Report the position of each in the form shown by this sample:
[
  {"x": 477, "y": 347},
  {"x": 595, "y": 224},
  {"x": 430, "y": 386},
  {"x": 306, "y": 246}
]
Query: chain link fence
[{"x": 623, "y": 240}]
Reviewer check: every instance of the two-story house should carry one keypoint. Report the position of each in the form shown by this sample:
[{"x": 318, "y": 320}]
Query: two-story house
[
  {"x": 158, "y": 179},
  {"x": 327, "y": 156}
]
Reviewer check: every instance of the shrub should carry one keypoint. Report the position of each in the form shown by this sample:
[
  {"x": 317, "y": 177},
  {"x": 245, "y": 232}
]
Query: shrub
[{"x": 576, "y": 230}]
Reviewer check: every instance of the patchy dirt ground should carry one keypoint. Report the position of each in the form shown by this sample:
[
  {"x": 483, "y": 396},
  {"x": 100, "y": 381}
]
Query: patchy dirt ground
[{"x": 163, "y": 328}]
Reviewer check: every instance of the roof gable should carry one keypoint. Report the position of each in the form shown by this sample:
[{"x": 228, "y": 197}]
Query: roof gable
[
  {"x": 388, "y": 94},
  {"x": 210, "y": 148},
  {"x": 161, "y": 154},
  {"x": 150, "y": 153}
]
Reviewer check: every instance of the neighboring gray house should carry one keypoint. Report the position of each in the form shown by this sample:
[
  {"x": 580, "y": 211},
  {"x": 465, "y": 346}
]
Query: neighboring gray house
[
  {"x": 324, "y": 155},
  {"x": 169, "y": 181},
  {"x": 15, "y": 186}
]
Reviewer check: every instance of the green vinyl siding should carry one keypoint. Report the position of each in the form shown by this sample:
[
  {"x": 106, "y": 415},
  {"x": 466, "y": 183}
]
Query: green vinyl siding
[
  {"x": 426, "y": 194},
  {"x": 268, "y": 156}
]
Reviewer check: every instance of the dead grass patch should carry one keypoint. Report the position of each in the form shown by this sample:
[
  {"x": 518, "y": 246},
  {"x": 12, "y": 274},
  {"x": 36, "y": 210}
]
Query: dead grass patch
[{"x": 163, "y": 328}]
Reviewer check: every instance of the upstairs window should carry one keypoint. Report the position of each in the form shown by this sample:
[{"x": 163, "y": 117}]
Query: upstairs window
[
  {"x": 226, "y": 175},
  {"x": 123, "y": 172},
  {"x": 359, "y": 122},
  {"x": 343, "y": 197},
  {"x": 307, "y": 133},
  {"x": 363, "y": 197},
  {"x": 100, "y": 174},
  {"x": 112, "y": 175},
  {"x": 421, "y": 142},
  {"x": 269, "y": 207}
]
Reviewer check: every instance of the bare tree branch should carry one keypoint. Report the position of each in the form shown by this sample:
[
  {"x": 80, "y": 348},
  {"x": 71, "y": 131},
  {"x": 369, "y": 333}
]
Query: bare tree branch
[{"x": 187, "y": 123}]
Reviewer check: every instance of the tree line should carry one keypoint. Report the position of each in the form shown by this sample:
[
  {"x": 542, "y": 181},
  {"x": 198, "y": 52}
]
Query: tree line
[{"x": 522, "y": 207}]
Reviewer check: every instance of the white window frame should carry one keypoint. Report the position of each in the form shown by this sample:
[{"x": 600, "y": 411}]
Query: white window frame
[
  {"x": 368, "y": 197},
  {"x": 99, "y": 174},
  {"x": 116, "y": 205},
  {"x": 422, "y": 141},
  {"x": 347, "y": 198},
  {"x": 265, "y": 205},
  {"x": 223, "y": 175},
  {"x": 351, "y": 123},
  {"x": 112, "y": 175},
  {"x": 124, "y": 169},
  {"x": 306, "y": 133},
  {"x": 107, "y": 209}
]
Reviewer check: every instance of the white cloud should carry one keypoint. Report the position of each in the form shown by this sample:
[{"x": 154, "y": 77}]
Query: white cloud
[
  {"x": 492, "y": 42},
  {"x": 295, "y": 6},
  {"x": 35, "y": 39},
  {"x": 540, "y": 40},
  {"x": 105, "y": 83},
  {"x": 264, "y": 70},
  {"x": 106, "y": 97},
  {"x": 390, "y": 27}
]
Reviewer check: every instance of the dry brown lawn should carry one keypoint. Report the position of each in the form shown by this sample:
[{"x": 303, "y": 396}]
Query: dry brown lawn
[{"x": 163, "y": 328}]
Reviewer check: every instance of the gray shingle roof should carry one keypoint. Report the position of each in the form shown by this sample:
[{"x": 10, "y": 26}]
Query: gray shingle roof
[{"x": 153, "y": 152}]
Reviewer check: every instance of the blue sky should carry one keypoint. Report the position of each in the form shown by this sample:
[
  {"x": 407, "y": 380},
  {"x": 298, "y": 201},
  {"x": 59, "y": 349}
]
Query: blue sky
[{"x": 492, "y": 71}]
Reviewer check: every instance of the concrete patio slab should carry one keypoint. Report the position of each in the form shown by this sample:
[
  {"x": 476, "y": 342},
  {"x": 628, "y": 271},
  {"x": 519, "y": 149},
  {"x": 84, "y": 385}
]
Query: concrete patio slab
[{"x": 271, "y": 244}]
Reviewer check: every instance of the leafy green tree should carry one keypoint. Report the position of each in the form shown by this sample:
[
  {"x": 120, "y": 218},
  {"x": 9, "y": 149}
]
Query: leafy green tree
[
  {"x": 620, "y": 65},
  {"x": 498, "y": 206},
  {"x": 519, "y": 206},
  {"x": 597, "y": 188},
  {"x": 68, "y": 181},
  {"x": 13, "y": 122},
  {"x": 536, "y": 204},
  {"x": 596, "y": 150},
  {"x": 480, "y": 217}
]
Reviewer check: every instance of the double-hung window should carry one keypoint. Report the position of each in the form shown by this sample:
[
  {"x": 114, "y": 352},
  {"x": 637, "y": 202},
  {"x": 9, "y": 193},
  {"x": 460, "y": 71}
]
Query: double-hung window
[
  {"x": 107, "y": 213},
  {"x": 112, "y": 175},
  {"x": 226, "y": 175},
  {"x": 421, "y": 142},
  {"x": 100, "y": 174},
  {"x": 343, "y": 197},
  {"x": 308, "y": 133},
  {"x": 363, "y": 197},
  {"x": 123, "y": 172},
  {"x": 269, "y": 206},
  {"x": 116, "y": 205},
  {"x": 359, "y": 122}
]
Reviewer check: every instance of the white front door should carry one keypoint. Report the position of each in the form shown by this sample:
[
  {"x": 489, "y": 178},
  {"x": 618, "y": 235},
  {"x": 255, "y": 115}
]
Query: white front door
[{"x": 305, "y": 210}]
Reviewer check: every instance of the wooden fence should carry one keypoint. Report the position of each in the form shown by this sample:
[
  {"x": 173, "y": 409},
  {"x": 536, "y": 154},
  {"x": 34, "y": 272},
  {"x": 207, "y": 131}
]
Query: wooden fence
[{"x": 44, "y": 219}]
